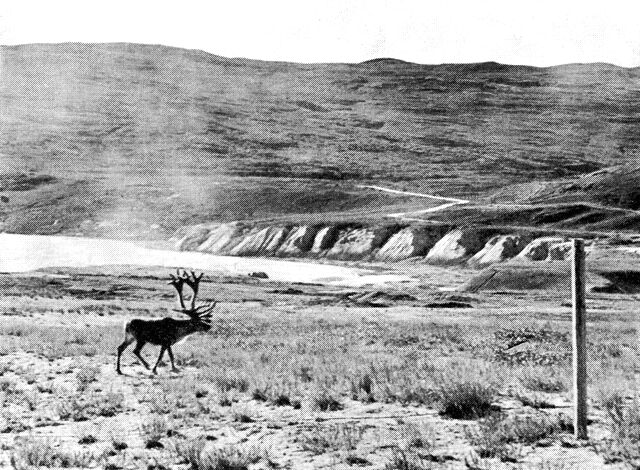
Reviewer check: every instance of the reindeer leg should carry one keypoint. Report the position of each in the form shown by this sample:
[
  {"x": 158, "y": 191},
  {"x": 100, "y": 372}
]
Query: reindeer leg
[
  {"x": 127, "y": 341},
  {"x": 162, "y": 348},
  {"x": 173, "y": 366},
  {"x": 138, "y": 350}
]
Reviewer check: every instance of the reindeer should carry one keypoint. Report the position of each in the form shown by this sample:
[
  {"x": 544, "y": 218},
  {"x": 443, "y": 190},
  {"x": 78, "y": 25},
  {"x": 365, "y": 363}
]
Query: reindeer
[{"x": 167, "y": 332}]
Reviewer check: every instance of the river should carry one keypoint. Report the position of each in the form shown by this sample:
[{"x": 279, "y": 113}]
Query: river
[{"x": 21, "y": 253}]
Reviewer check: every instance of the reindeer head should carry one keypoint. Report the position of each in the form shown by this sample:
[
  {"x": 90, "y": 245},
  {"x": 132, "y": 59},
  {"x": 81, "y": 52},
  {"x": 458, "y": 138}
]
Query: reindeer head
[{"x": 201, "y": 314}]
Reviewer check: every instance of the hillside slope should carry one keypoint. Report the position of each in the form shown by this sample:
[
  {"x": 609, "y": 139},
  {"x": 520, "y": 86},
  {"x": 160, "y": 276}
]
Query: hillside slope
[{"x": 164, "y": 136}]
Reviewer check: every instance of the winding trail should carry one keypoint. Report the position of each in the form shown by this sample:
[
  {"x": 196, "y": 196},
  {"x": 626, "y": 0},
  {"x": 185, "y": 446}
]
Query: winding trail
[{"x": 450, "y": 201}]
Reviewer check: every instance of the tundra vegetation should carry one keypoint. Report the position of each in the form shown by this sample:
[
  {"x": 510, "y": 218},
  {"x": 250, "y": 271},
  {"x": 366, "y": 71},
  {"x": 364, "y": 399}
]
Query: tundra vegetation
[
  {"x": 307, "y": 376},
  {"x": 466, "y": 365}
]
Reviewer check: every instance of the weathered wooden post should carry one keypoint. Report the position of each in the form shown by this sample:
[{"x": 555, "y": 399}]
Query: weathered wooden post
[{"x": 579, "y": 340}]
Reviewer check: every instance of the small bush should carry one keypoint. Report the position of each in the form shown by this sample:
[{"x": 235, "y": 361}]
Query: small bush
[{"x": 465, "y": 399}]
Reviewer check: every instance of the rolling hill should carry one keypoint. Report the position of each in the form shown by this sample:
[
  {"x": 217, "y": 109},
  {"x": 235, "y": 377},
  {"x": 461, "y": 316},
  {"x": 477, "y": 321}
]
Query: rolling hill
[{"x": 137, "y": 140}]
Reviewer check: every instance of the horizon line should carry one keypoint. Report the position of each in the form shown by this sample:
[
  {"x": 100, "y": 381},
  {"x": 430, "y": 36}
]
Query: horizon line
[{"x": 365, "y": 61}]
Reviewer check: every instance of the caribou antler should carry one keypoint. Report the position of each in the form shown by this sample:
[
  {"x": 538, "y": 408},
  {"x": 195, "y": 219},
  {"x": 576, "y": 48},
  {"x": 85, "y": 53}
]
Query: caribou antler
[
  {"x": 177, "y": 281},
  {"x": 201, "y": 312},
  {"x": 193, "y": 281}
]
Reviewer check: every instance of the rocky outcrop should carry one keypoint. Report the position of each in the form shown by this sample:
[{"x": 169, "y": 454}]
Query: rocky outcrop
[
  {"x": 538, "y": 249},
  {"x": 458, "y": 245},
  {"x": 194, "y": 237},
  {"x": 559, "y": 251},
  {"x": 261, "y": 242},
  {"x": 325, "y": 238},
  {"x": 223, "y": 238},
  {"x": 475, "y": 245},
  {"x": 410, "y": 242},
  {"x": 360, "y": 243},
  {"x": 299, "y": 241},
  {"x": 500, "y": 248}
]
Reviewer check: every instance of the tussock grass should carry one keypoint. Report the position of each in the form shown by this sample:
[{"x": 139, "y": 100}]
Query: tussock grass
[
  {"x": 153, "y": 431},
  {"x": 83, "y": 408},
  {"x": 465, "y": 399},
  {"x": 36, "y": 453},
  {"x": 321, "y": 439},
  {"x": 499, "y": 435},
  {"x": 200, "y": 457},
  {"x": 547, "y": 380},
  {"x": 325, "y": 400},
  {"x": 406, "y": 460},
  {"x": 86, "y": 375},
  {"x": 624, "y": 422}
]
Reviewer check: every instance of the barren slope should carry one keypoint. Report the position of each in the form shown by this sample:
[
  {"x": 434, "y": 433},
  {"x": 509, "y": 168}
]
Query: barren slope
[{"x": 142, "y": 133}]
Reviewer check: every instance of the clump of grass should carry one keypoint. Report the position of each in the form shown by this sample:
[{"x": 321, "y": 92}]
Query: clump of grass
[
  {"x": 543, "y": 380},
  {"x": 624, "y": 422},
  {"x": 227, "y": 382},
  {"x": 85, "y": 407},
  {"x": 9, "y": 386},
  {"x": 225, "y": 458},
  {"x": 226, "y": 399},
  {"x": 362, "y": 389},
  {"x": 465, "y": 399},
  {"x": 86, "y": 375},
  {"x": 43, "y": 453},
  {"x": 243, "y": 415},
  {"x": 275, "y": 395},
  {"x": 406, "y": 460},
  {"x": 419, "y": 435},
  {"x": 546, "y": 346},
  {"x": 190, "y": 450},
  {"x": 321, "y": 439},
  {"x": 323, "y": 400},
  {"x": 44, "y": 387},
  {"x": 87, "y": 439},
  {"x": 153, "y": 431},
  {"x": 118, "y": 444},
  {"x": 534, "y": 401},
  {"x": 498, "y": 434}
]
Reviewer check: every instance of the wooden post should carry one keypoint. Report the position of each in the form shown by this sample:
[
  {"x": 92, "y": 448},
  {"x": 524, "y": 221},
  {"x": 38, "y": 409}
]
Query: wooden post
[{"x": 579, "y": 341}]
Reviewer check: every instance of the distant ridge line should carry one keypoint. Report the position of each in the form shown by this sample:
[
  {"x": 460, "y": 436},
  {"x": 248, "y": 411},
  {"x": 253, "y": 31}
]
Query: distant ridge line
[{"x": 485, "y": 65}]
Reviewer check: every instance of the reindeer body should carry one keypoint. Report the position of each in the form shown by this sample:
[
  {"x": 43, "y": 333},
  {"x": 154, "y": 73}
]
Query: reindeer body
[{"x": 167, "y": 331}]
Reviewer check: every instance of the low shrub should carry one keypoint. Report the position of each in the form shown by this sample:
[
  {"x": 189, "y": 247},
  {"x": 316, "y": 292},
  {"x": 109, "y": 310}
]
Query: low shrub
[
  {"x": 624, "y": 422},
  {"x": 465, "y": 399},
  {"x": 498, "y": 434}
]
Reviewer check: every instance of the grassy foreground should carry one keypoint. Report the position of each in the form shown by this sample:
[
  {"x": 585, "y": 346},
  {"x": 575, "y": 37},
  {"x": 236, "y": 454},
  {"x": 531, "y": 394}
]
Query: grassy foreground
[{"x": 299, "y": 377}]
